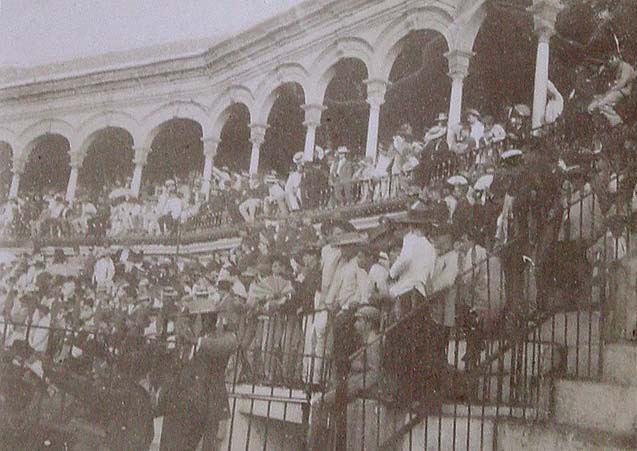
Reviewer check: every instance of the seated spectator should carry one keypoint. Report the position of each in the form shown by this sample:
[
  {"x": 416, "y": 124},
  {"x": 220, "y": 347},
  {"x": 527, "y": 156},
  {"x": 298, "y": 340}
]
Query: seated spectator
[
  {"x": 276, "y": 197},
  {"x": 462, "y": 142},
  {"x": 493, "y": 132},
  {"x": 477, "y": 127},
  {"x": 622, "y": 87}
]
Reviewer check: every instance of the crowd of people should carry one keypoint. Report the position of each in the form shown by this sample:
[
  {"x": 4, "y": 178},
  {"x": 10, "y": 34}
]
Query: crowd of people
[
  {"x": 336, "y": 177},
  {"x": 537, "y": 211}
]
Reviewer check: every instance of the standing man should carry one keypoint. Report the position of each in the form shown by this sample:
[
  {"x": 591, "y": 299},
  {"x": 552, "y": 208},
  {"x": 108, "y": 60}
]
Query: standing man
[{"x": 198, "y": 400}]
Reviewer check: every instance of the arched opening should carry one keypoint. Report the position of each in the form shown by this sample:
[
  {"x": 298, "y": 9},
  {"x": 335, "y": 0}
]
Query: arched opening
[
  {"x": 234, "y": 148},
  {"x": 419, "y": 85},
  {"x": 286, "y": 134},
  {"x": 177, "y": 153},
  {"x": 503, "y": 66},
  {"x": 108, "y": 161},
  {"x": 344, "y": 122},
  {"x": 47, "y": 168},
  {"x": 6, "y": 164}
]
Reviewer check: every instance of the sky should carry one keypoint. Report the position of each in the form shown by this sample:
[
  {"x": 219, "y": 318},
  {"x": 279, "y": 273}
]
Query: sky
[{"x": 36, "y": 32}]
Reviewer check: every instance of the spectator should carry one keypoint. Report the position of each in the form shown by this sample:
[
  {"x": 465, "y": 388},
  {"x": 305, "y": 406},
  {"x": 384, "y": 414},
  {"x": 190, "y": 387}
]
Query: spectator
[
  {"x": 476, "y": 125},
  {"x": 554, "y": 104},
  {"x": 622, "y": 87},
  {"x": 413, "y": 269},
  {"x": 103, "y": 272},
  {"x": 276, "y": 197},
  {"x": 293, "y": 184},
  {"x": 493, "y": 132},
  {"x": 341, "y": 175}
]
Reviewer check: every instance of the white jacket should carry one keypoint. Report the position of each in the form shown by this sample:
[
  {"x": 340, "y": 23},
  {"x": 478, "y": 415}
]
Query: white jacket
[{"x": 414, "y": 266}]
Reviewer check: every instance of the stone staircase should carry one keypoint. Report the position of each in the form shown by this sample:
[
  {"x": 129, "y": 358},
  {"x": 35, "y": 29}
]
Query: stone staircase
[{"x": 586, "y": 415}]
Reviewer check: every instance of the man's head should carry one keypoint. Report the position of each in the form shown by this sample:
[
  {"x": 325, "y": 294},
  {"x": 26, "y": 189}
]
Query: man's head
[{"x": 278, "y": 265}]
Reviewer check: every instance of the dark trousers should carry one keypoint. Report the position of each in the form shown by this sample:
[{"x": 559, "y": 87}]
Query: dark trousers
[
  {"x": 167, "y": 224},
  {"x": 416, "y": 354}
]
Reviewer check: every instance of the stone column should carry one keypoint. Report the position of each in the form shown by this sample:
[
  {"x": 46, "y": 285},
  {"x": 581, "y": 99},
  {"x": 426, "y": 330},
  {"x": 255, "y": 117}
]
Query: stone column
[
  {"x": 18, "y": 170},
  {"x": 76, "y": 164},
  {"x": 375, "y": 98},
  {"x": 313, "y": 113},
  {"x": 141, "y": 155},
  {"x": 458, "y": 70},
  {"x": 544, "y": 17},
  {"x": 257, "y": 136},
  {"x": 209, "y": 151}
]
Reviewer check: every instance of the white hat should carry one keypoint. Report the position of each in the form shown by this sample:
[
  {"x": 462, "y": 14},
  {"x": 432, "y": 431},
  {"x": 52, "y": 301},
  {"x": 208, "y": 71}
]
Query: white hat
[
  {"x": 483, "y": 183},
  {"x": 457, "y": 180},
  {"x": 522, "y": 109},
  {"x": 342, "y": 150},
  {"x": 169, "y": 182},
  {"x": 270, "y": 179},
  {"x": 511, "y": 153},
  {"x": 298, "y": 157}
]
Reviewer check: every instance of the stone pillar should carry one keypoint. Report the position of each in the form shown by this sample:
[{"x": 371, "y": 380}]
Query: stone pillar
[
  {"x": 375, "y": 98},
  {"x": 209, "y": 151},
  {"x": 141, "y": 155},
  {"x": 312, "y": 121},
  {"x": 458, "y": 70},
  {"x": 257, "y": 136},
  {"x": 544, "y": 17},
  {"x": 18, "y": 170},
  {"x": 72, "y": 185}
]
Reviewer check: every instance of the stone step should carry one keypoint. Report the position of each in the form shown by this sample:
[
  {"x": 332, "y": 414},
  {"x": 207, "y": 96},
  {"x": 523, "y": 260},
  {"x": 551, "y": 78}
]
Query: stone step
[
  {"x": 596, "y": 405},
  {"x": 620, "y": 364},
  {"x": 518, "y": 435}
]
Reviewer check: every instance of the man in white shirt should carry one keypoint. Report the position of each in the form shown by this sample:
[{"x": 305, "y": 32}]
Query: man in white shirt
[
  {"x": 173, "y": 207},
  {"x": 104, "y": 271},
  {"x": 413, "y": 269},
  {"x": 293, "y": 184},
  {"x": 349, "y": 287}
]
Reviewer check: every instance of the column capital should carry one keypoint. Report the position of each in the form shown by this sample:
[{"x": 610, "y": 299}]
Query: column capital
[
  {"x": 210, "y": 147},
  {"x": 544, "y": 17},
  {"x": 141, "y": 155},
  {"x": 257, "y": 133},
  {"x": 376, "y": 89},
  {"x": 313, "y": 113},
  {"x": 458, "y": 63}
]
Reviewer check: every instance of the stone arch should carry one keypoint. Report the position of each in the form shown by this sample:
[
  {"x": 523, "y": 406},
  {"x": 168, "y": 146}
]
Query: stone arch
[
  {"x": 220, "y": 108},
  {"x": 388, "y": 45},
  {"x": 323, "y": 66},
  {"x": 107, "y": 119},
  {"x": 463, "y": 36},
  {"x": 46, "y": 127},
  {"x": 266, "y": 92},
  {"x": 152, "y": 123},
  {"x": 8, "y": 137}
]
